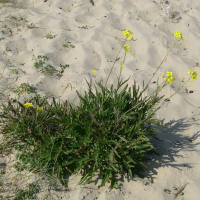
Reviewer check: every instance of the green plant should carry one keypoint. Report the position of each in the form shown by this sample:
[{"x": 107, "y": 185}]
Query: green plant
[
  {"x": 66, "y": 45},
  {"x": 109, "y": 132},
  {"x": 167, "y": 191},
  {"x": 25, "y": 88},
  {"x": 5, "y": 1},
  {"x": 72, "y": 46},
  {"x": 29, "y": 193},
  {"x": 16, "y": 71},
  {"x": 50, "y": 36},
  {"x": 175, "y": 188},
  {"x": 48, "y": 69},
  {"x": 12, "y": 21}
]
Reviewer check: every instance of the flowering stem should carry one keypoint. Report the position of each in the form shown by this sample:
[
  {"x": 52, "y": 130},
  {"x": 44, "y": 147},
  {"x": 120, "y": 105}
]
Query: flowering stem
[
  {"x": 114, "y": 63},
  {"x": 122, "y": 66},
  {"x": 174, "y": 93},
  {"x": 180, "y": 88},
  {"x": 111, "y": 71},
  {"x": 159, "y": 67}
]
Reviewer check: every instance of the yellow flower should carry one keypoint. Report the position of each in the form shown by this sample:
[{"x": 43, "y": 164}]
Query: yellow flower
[
  {"x": 39, "y": 108},
  {"x": 94, "y": 71},
  {"x": 127, "y": 33},
  {"x": 126, "y": 47},
  {"x": 131, "y": 32},
  {"x": 122, "y": 64},
  {"x": 194, "y": 75},
  {"x": 118, "y": 37},
  {"x": 164, "y": 77},
  {"x": 169, "y": 73},
  {"x": 27, "y": 105},
  {"x": 132, "y": 39},
  {"x": 170, "y": 78},
  {"x": 133, "y": 55},
  {"x": 178, "y": 34}
]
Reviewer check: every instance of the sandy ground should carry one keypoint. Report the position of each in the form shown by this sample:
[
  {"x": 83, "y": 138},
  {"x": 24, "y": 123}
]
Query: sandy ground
[{"x": 93, "y": 30}]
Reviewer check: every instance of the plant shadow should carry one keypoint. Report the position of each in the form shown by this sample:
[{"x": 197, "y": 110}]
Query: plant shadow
[{"x": 172, "y": 142}]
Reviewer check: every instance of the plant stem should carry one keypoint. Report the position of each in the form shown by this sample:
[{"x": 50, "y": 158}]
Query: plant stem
[
  {"x": 159, "y": 67},
  {"x": 114, "y": 63}
]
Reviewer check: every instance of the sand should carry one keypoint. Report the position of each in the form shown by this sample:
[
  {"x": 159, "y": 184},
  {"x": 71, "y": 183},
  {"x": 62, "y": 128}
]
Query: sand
[{"x": 92, "y": 32}]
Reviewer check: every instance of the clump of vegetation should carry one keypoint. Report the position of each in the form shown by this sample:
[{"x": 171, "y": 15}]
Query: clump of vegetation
[
  {"x": 109, "y": 132},
  {"x": 50, "y": 36},
  {"x": 48, "y": 69},
  {"x": 29, "y": 193},
  {"x": 25, "y": 88},
  {"x": 17, "y": 71},
  {"x": 66, "y": 44}
]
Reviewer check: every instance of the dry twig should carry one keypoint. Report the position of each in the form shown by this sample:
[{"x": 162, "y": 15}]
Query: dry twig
[{"x": 179, "y": 190}]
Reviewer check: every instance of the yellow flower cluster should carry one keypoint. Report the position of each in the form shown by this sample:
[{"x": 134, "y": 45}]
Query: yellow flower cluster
[
  {"x": 194, "y": 75},
  {"x": 27, "y": 105},
  {"x": 128, "y": 34},
  {"x": 170, "y": 77},
  {"x": 122, "y": 64},
  {"x": 127, "y": 47},
  {"x": 178, "y": 34},
  {"x": 39, "y": 108}
]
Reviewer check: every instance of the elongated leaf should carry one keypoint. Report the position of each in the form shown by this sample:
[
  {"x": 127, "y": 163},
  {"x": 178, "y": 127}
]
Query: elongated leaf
[
  {"x": 89, "y": 179},
  {"x": 89, "y": 84},
  {"x": 105, "y": 178},
  {"x": 111, "y": 157},
  {"x": 92, "y": 117},
  {"x": 122, "y": 92},
  {"x": 11, "y": 106},
  {"x": 117, "y": 154},
  {"x": 130, "y": 173},
  {"x": 114, "y": 168},
  {"x": 84, "y": 100},
  {"x": 83, "y": 179},
  {"x": 124, "y": 139},
  {"x": 42, "y": 103},
  {"x": 120, "y": 83},
  {"x": 54, "y": 102}
]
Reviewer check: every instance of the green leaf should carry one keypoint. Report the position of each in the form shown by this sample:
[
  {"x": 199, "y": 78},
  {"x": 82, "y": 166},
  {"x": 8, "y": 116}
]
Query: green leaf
[
  {"x": 116, "y": 185},
  {"x": 181, "y": 193},
  {"x": 130, "y": 173},
  {"x": 89, "y": 179},
  {"x": 105, "y": 178},
  {"x": 84, "y": 100},
  {"x": 83, "y": 179},
  {"x": 175, "y": 188},
  {"x": 117, "y": 154},
  {"x": 122, "y": 92},
  {"x": 113, "y": 167},
  {"x": 167, "y": 191},
  {"x": 111, "y": 157}
]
